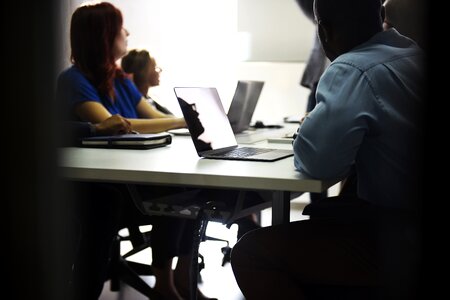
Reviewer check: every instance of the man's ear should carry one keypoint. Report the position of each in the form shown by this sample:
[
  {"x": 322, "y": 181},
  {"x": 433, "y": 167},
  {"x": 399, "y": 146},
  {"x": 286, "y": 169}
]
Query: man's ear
[{"x": 324, "y": 32}]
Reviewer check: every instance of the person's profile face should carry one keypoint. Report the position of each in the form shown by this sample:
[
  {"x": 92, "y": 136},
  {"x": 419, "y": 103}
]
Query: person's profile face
[
  {"x": 152, "y": 73},
  {"x": 120, "y": 44}
]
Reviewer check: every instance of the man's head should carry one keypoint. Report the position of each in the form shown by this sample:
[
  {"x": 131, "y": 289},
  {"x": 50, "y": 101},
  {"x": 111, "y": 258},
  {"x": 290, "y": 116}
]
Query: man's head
[
  {"x": 345, "y": 24},
  {"x": 307, "y": 8}
]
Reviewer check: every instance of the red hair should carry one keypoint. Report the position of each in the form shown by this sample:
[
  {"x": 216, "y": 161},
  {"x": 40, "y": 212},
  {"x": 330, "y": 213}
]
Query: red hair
[{"x": 93, "y": 31}]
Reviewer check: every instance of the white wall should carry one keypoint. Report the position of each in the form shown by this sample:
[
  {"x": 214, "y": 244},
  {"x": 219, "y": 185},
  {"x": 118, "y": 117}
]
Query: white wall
[
  {"x": 282, "y": 94},
  {"x": 279, "y": 31},
  {"x": 254, "y": 30},
  {"x": 185, "y": 30}
]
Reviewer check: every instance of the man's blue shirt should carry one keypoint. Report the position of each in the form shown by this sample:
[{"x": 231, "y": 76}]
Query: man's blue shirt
[
  {"x": 368, "y": 104},
  {"x": 75, "y": 88}
]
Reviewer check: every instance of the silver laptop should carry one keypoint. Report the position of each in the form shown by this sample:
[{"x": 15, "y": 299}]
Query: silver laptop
[
  {"x": 211, "y": 131},
  {"x": 243, "y": 104}
]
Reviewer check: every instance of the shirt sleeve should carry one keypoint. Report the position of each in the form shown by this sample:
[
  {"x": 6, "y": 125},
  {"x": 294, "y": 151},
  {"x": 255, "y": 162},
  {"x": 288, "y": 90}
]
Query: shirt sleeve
[
  {"x": 330, "y": 136},
  {"x": 79, "y": 129},
  {"x": 77, "y": 88}
]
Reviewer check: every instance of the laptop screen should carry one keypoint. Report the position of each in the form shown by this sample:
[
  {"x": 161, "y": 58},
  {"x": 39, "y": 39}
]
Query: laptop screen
[
  {"x": 205, "y": 117},
  {"x": 244, "y": 103}
]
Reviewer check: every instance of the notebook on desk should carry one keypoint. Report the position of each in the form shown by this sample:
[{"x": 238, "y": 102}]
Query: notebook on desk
[
  {"x": 211, "y": 131},
  {"x": 128, "y": 141}
]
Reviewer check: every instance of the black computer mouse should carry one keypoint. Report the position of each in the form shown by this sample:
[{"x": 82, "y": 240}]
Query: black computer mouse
[{"x": 259, "y": 124}]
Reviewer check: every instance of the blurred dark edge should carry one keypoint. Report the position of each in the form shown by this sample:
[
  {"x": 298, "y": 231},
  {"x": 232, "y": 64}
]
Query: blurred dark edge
[
  {"x": 36, "y": 247},
  {"x": 36, "y": 251}
]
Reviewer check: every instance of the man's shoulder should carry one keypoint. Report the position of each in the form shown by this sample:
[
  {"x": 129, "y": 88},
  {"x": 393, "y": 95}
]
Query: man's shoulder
[
  {"x": 383, "y": 48},
  {"x": 363, "y": 58}
]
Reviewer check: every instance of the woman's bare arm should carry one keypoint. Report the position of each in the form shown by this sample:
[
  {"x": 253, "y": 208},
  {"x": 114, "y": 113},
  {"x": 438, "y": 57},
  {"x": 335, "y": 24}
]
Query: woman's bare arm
[
  {"x": 95, "y": 112},
  {"x": 147, "y": 111}
]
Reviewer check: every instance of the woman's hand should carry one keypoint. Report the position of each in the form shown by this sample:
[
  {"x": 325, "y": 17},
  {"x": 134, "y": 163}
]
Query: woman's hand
[
  {"x": 113, "y": 125},
  {"x": 303, "y": 119}
]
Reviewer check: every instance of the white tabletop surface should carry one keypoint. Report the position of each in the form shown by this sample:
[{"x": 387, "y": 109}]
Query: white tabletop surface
[{"x": 179, "y": 164}]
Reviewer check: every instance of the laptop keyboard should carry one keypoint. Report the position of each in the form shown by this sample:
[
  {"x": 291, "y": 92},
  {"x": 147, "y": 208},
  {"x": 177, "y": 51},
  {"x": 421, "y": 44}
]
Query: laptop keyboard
[{"x": 242, "y": 152}]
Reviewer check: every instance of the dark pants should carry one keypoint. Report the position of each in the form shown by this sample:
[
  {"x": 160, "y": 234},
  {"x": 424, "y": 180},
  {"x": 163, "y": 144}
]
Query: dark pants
[
  {"x": 171, "y": 237},
  {"x": 345, "y": 248},
  {"x": 101, "y": 210},
  {"x": 97, "y": 217}
]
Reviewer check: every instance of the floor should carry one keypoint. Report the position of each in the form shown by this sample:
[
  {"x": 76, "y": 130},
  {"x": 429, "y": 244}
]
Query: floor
[{"x": 217, "y": 280}]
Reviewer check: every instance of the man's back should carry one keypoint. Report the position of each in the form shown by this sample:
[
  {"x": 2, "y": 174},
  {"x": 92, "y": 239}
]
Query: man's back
[{"x": 371, "y": 97}]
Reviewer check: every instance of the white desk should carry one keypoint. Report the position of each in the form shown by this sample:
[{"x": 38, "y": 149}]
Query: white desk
[{"x": 179, "y": 165}]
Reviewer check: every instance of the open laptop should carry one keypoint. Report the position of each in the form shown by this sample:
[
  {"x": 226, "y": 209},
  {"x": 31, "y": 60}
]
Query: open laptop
[
  {"x": 241, "y": 108},
  {"x": 211, "y": 131},
  {"x": 243, "y": 104}
]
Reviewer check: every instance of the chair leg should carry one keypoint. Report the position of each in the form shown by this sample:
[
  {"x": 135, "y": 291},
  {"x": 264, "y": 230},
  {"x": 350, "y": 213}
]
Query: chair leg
[
  {"x": 136, "y": 237},
  {"x": 199, "y": 232},
  {"x": 201, "y": 266},
  {"x": 114, "y": 271},
  {"x": 226, "y": 255},
  {"x": 132, "y": 279},
  {"x": 128, "y": 272},
  {"x": 141, "y": 269}
]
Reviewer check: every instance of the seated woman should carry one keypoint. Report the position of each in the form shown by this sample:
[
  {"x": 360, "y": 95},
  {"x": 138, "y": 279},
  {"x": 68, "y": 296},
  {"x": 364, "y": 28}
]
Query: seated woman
[
  {"x": 93, "y": 89},
  {"x": 145, "y": 73},
  {"x": 96, "y": 88}
]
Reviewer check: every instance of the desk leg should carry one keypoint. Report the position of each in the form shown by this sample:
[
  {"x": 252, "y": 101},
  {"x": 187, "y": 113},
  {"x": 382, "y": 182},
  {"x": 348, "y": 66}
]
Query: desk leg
[
  {"x": 281, "y": 207},
  {"x": 199, "y": 231}
]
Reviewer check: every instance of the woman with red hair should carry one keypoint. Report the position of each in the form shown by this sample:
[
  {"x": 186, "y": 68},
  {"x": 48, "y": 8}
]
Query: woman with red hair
[{"x": 93, "y": 89}]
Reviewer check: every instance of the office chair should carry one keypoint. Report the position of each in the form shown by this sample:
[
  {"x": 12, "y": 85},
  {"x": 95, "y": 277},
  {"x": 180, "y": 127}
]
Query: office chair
[
  {"x": 195, "y": 204},
  {"x": 127, "y": 271},
  {"x": 141, "y": 241}
]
